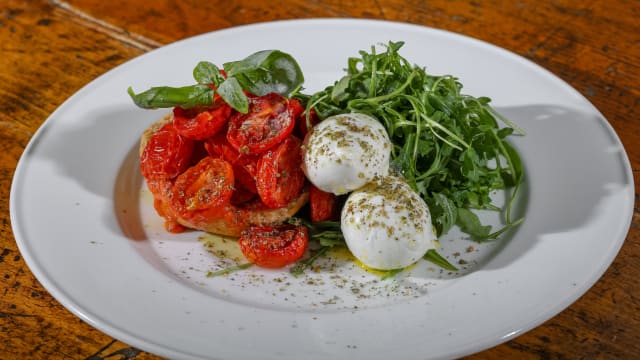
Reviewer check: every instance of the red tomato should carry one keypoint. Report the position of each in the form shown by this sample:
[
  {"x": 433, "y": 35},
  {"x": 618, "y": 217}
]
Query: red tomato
[
  {"x": 244, "y": 166},
  {"x": 296, "y": 108},
  {"x": 302, "y": 127},
  {"x": 322, "y": 204},
  {"x": 201, "y": 123},
  {"x": 166, "y": 154},
  {"x": 242, "y": 195},
  {"x": 218, "y": 146},
  {"x": 245, "y": 170},
  {"x": 199, "y": 152},
  {"x": 208, "y": 184},
  {"x": 280, "y": 178},
  {"x": 269, "y": 121},
  {"x": 164, "y": 210},
  {"x": 274, "y": 247}
]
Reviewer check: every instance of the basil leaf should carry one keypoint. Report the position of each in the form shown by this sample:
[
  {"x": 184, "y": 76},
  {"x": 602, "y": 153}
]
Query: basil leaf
[
  {"x": 268, "y": 71},
  {"x": 231, "y": 92},
  {"x": 207, "y": 73},
  {"x": 165, "y": 96}
]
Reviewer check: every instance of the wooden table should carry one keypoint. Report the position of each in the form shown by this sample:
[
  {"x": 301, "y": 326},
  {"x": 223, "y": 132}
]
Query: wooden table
[{"x": 49, "y": 49}]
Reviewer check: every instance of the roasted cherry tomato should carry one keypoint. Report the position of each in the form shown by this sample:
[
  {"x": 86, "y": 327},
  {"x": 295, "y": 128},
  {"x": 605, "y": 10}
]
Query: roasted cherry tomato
[
  {"x": 269, "y": 121},
  {"x": 242, "y": 195},
  {"x": 166, "y": 154},
  {"x": 218, "y": 146},
  {"x": 244, "y": 166},
  {"x": 322, "y": 204},
  {"x": 303, "y": 125},
  {"x": 274, "y": 247},
  {"x": 246, "y": 169},
  {"x": 296, "y": 108},
  {"x": 201, "y": 123},
  {"x": 208, "y": 184},
  {"x": 280, "y": 178}
]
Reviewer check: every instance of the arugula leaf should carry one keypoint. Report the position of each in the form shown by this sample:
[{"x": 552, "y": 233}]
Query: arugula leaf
[
  {"x": 229, "y": 270},
  {"x": 470, "y": 224},
  {"x": 302, "y": 265},
  {"x": 439, "y": 260}
]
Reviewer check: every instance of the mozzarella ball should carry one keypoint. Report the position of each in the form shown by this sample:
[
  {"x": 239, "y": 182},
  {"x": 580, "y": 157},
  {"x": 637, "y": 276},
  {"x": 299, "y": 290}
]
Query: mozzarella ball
[
  {"x": 344, "y": 152},
  {"x": 386, "y": 224}
]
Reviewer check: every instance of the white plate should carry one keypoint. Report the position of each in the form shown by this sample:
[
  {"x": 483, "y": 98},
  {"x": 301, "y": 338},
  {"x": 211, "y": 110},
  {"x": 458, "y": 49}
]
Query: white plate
[{"x": 86, "y": 228}]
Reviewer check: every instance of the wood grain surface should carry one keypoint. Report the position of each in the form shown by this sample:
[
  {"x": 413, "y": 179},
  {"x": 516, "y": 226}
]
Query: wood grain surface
[{"x": 49, "y": 49}]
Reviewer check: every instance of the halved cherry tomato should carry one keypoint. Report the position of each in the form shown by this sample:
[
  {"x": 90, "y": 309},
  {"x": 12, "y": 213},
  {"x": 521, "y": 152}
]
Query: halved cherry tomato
[
  {"x": 280, "y": 178},
  {"x": 208, "y": 184},
  {"x": 274, "y": 247},
  {"x": 322, "y": 204},
  {"x": 166, "y": 154},
  {"x": 296, "y": 108},
  {"x": 201, "y": 123},
  {"x": 218, "y": 146},
  {"x": 244, "y": 166},
  {"x": 246, "y": 169},
  {"x": 242, "y": 195},
  {"x": 163, "y": 208},
  {"x": 269, "y": 121},
  {"x": 303, "y": 126},
  {"x": 199, "y": 152}
]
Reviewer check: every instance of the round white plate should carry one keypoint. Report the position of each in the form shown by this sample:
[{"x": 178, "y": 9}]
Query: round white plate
[{"x": 86, "y": 227}]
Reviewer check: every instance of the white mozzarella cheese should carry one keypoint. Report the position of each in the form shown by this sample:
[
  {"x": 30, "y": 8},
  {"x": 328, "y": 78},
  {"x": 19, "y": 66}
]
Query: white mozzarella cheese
[
  {"x": 386, "y": 224},
  {"x": 344, "y": 152}
]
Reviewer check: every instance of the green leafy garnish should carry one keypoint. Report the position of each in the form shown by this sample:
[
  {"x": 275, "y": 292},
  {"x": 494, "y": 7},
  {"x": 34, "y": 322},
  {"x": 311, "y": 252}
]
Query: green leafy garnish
[
  {"x": 163, "y": 97},
  {"x": 450, "y": 147},
  {"x": 267, "y": 71},
  {"x": 326, "y": 233},
  {"x": 302, "y": 265},
  {"x": 439, "y": 260},
  {"x": 228, "y": 270}
]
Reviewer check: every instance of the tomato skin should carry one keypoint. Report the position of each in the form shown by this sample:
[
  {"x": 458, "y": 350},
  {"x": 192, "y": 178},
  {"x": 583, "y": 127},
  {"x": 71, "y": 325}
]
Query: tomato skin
[
  {"x": 244, "y": 166},
  {"x": 279, "y": 177},
  {"x": 274, "y": 247},
  {"x": 302, "y": 128},
  {"x": 269, "y": 121},
  {"x": 323, "y": 205},
  {"x": 242, "y": 195},
  {"x": 201, "y": 123},
  {"x": 218, "y": 146},
  {"x": 296, "y": 108},
  {"x": 208, "y": 184},
  {"x": 166, "y": 154}
]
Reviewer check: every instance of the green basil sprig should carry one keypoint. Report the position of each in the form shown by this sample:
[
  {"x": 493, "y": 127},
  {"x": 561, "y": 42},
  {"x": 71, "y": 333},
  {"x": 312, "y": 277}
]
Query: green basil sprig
[{"x": 261, "y": 73}]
